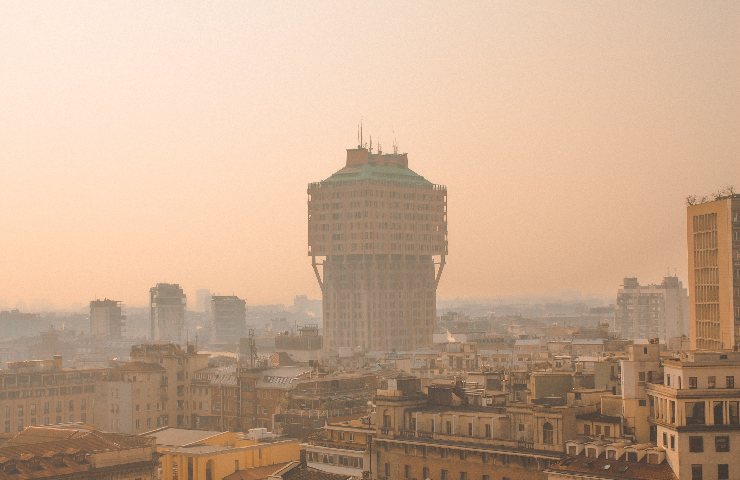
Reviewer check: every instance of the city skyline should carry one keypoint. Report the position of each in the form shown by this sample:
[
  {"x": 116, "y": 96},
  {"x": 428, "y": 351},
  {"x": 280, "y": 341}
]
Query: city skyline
[{"x": 576, "y": 132}]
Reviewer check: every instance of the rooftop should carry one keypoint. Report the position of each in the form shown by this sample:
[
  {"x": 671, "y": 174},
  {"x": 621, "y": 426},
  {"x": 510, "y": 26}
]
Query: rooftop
[{"x": 612, "y": 469}]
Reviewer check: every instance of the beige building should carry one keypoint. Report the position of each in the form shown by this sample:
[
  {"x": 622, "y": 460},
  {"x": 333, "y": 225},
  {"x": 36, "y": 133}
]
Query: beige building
[
  {"x": 167, "y": 312},
  {"x": 106, "y": 319},
  {"x": 132, "y": 399},
  {"x": 696, "y": 414},
  {"x": 378, "y": 230},
  {"x": 228, "y": 319},
  {"x": 180, "y": 365},
  {"x": 41, "y": 392},
  {"x": 76, "y": 452},
  {"x": 341, "y": 448},
  {"x": 714, "y": 273},
  {"x": 210, "y": 455},
  {"x": 652, "y": 311}
]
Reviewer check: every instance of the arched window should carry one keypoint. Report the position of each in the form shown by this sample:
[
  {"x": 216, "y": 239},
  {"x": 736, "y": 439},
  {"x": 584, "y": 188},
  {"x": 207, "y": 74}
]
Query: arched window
[
  {"x": 547, "y": 433},
  {"x": 209, "y": 470}
]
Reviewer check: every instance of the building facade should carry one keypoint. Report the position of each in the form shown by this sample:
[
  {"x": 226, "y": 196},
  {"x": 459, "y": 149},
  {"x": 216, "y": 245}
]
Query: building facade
[
  {"x": 180, "y": 365},
  {"x": 695, "y": 414},
  {"x": 167, "y": 312},
  {"x": 41, "y": 392},
  {"x": 714, "y": 273},
  {"x": 228, "y": 319},
  {"x": 652, "y": 311},
  {"x": 377, "y": 237},
  {"x": 106, "y": 319}
]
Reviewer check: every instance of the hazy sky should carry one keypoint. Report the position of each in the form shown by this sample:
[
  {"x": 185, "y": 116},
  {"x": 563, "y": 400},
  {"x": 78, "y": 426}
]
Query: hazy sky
[{"x": 173, "y": 141}]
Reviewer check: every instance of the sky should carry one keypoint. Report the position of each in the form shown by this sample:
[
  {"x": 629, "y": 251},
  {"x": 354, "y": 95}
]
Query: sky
[{"x": 145, "y": 142}]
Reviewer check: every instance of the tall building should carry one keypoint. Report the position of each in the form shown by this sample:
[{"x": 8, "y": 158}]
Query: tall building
[
  {"x": 714, "y": 273},
  {"x": 652, "y": 311},
  {"x": 167, "y": 312},
  {"x": 106, "y": 319},
  {"x": 228, "y": 319},
  {"x": 376, "y": 232}
]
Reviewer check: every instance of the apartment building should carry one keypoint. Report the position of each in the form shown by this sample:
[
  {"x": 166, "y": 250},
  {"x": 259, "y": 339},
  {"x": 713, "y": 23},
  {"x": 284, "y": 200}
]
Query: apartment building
[
  {"x": 228, "y": 319},
  {"x": 695, "y": 414},
  {"x": 453, "y": 434},
  {"x": 341, "y": 448},
  {"x": 167, "y": 312},
  {"x": 180, "y": 365},
  {"x": 106, "y": 319},
  {"x": 132, "y": 398},
  {"x": 652, "y": 311},
  {"x": 41, "y": 392},
  {"x": 713, "y": 231}
]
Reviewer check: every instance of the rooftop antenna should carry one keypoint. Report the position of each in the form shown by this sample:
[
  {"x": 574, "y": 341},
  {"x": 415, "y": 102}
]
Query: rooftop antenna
[
  {"x": 395, "y": 143},
  {"x": 362, "y": 143},
  {"x": 371, "y": 144},
  {"x": 380, "y": 147}
]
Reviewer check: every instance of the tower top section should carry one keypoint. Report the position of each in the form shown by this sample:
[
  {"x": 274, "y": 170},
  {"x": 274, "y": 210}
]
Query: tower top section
[{"x": 361, "y": 156}]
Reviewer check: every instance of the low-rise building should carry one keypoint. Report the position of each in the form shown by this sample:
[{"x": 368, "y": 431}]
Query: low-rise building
[{"x": 74, "y": 452}]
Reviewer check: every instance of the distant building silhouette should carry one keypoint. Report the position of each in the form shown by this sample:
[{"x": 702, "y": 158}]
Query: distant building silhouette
[
  {"x": 228, "y": 319},
  {"x": 167, "y": 312},
  {"x": 106, "y": 319},
  {"x": 375, "y": 227},
  {"x": 652, "y": 311}
]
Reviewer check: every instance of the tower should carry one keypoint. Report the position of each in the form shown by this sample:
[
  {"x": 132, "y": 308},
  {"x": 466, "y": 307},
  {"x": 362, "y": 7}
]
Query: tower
[
  {"x": 228, "y": 319},
  {"x": 714, "y": 273},
  {"x": 167, "y": 312},
  {"x": 106, "y": 319},
  {"x": 377, "y": 238}
]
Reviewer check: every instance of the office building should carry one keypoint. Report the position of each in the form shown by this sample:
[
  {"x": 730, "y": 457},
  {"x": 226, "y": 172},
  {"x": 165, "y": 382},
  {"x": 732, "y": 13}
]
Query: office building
[
  {"x": 167, "y": 312},
  {"x": 377, "y": 237},
  {"x": 714, "y": 273},
  {"x": 106, "y": 319},
  {"x": 228, "y": 319},
  {"x": 652, "y": 311}
]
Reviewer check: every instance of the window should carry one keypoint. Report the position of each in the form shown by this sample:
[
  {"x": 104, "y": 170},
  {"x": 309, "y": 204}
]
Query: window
[
  {"x": 673, "y": 442},
  {"x": 209, "y": 470},
  {"x": 425, "y": 472},
  {"x": 463, "y": 475},
  {"x": 387, "y": 469},
  {"x": 730, "y": 381},
  {"x": 642, "y": 403},
  {"x": 665, "y": 439},
  {"x": 631, "y": 456},
  {"x": 407, "y": 471},
  {"x": 695, "y": 413},
  {"x": 734, "y": 412},
  {"x": 470, "y": 429},
  {"x": 696, "y": 472},
  {"x": 642, "y": 377},
  {"x": 488, "y": 430},
  {"x": 722, "y": 443},
  {"x": 723, "y": 471},
  {"x": 711, "y": 381},
  {"x": 442, "y": 474},
  {"x": 520, "y": 427},
  {"x": 463, "y": 455},
  {"x": 547, "y": 437},
  {"x": 587, "y": 429},
  {"x": 448, "y": 427},
  {"x": 696, "y": 444},
  {"x": 597, "y": 429},
  {"x": 485, "y": 477},
  {"x": 607, "y": 431},
  {"x": 718, "y": 413},
  {"x": 692, "y": 382}
]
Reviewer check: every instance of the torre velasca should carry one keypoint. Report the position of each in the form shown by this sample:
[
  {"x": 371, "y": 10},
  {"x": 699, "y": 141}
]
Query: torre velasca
[{"x": 377, "y": 238}]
